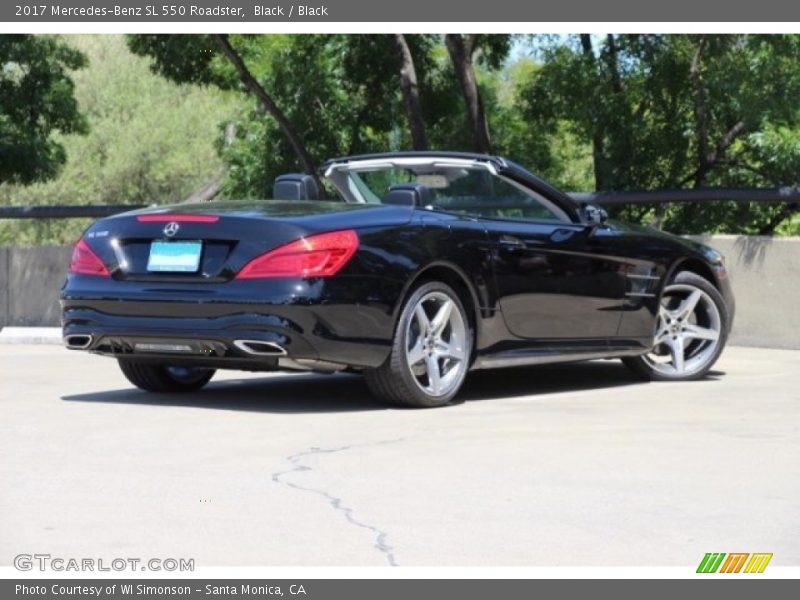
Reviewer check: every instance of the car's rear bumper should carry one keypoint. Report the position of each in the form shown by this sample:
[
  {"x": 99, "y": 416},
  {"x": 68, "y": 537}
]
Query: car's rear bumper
[{"x": 322, "y": 325}]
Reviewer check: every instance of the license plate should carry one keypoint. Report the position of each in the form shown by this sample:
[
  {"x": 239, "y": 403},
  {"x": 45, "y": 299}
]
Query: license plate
[{"x": 175, "y": 257}]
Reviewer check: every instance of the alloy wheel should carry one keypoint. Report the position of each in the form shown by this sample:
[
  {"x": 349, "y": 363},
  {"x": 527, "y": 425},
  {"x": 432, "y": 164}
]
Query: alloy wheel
[
  {"x": 436, "y": 337},
  {"x": 688, "y": 331}
]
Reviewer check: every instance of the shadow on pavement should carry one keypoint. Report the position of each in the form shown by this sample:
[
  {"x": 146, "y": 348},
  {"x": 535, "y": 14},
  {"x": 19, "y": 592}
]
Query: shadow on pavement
[
  {"x": 302, "y": 393},
  {"x": 309, "y": 393}
]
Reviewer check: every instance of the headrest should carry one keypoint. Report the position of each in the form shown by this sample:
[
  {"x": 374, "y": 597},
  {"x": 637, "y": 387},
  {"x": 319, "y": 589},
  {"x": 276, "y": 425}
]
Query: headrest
[
  {"x": 295, "y": 186},
  {"x": 408, "y": 194}
]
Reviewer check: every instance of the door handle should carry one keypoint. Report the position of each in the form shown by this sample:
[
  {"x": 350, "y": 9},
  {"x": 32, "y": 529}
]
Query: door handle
[{"x": 509, "y": 241}]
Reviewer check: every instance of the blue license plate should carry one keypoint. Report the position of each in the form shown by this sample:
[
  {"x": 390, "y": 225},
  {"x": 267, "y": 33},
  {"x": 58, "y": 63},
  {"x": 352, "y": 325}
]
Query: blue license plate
[{"x": 175, "y": 257}]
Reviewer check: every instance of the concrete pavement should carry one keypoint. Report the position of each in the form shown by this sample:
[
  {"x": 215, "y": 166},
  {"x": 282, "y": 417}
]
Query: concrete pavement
[{"x": 559, "y": 465}]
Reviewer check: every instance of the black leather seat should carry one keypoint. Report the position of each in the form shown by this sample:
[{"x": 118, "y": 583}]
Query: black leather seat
[
  {"x": 295, "y": 186},
  {"x": 408, "y": 194}
]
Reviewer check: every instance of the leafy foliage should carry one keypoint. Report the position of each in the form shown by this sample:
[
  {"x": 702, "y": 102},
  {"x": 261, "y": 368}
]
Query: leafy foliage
[
  {"x": 180, "y": 58},
  {"x": 36, "y": 101},
  {"x": 674, "y": 111},
  {"x": 336, "y": 109},
  {"x": 150, "y": 141},
  {"x": 610, "y": 112}
]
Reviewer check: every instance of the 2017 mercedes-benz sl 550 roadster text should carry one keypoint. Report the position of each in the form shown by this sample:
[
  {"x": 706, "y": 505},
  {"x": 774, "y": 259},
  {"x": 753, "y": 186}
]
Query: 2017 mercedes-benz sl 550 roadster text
[{"x": 427, "y": 265}]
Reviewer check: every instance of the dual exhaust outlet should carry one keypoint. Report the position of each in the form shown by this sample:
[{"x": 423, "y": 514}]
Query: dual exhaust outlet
[{"x": 81, "y": 341}]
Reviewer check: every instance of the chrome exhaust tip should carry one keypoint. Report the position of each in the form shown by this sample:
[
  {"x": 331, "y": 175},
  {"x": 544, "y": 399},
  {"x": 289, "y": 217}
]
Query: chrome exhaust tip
[
  {"x": 78, "y": 341},
  {"x": 260, "y": 348}
]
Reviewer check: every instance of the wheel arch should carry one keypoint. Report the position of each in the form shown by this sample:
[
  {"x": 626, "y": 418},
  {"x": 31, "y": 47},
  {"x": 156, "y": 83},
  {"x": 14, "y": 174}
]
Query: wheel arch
[
  {"x": 694, "y": 265},
  {"x": 451, "y": 274}
]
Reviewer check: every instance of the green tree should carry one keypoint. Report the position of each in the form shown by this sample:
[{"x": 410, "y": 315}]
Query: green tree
[
  {"x": 673, "y": 111},
  {"x": 150, "y": 141},
  {"x": 182, "y": 58},
  {"x": 36, "y": 100},
  {"x": 342, "y": 104},
  {"x": 409, "y": 83},
  {"x": 555, "y": 152},
  {"x": 329, "y": 95},
  {"x": 612, "y": 112},
  {"x": 464, "y": 51}
]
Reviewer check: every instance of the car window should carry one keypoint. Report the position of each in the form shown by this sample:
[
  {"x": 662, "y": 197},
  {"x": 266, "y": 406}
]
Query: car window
[
  {"x": 470, "y": 191},
  {"x": 373, "y": 185}
]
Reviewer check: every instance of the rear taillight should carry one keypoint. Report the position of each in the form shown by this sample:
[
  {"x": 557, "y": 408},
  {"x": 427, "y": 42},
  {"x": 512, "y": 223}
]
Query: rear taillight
[
  {"x": 85, "y": 261},
  {"x": 321, "y": 255}
]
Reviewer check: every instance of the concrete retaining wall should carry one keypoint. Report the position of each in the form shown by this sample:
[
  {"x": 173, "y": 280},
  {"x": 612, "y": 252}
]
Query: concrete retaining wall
[
  {"x": 765, "y": 273},
  {"x": 4, "y": 287},
  {"x": 30, "y": 282}
]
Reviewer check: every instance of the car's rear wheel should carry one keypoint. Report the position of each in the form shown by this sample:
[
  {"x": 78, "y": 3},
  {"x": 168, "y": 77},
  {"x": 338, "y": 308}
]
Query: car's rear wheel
[
  {"x": 164, "y": 378},
  {"x": 430, "y": 351},
  {"x": 691, "y": 331}
]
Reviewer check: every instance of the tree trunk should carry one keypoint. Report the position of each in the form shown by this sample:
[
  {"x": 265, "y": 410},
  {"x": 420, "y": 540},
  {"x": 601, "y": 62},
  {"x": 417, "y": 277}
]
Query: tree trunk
[
  {"x": 410, "y": 88},
  {"x": 212, "y": 188},
  {"x": 286, "y": 126},
  {"x": 613, "y": 64},
  {"x": 461, "y": 49},
  {"x": 786, "y": 212},
  {"x": 700, "y": 113},
  {"x": 598, "y": 147},
  {"x": 707, "y": 159}
]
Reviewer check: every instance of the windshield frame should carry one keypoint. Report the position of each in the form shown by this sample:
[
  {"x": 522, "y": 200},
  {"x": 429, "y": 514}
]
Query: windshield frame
[{"x": 339, "y": 172}]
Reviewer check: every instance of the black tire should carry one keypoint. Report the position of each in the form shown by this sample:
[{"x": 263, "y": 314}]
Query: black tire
[
  {"x": 393, "y": 382},
  {"x": 163, "y": 378},
  {"x": 641, "y": 366}
]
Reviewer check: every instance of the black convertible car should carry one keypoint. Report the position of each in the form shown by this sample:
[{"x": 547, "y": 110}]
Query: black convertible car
[{"x": 426, "y": 266}]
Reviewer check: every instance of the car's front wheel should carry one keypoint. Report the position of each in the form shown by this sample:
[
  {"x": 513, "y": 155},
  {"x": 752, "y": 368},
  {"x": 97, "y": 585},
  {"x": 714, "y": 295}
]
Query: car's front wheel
[
  {"x": 430, "y": 350},
  {"x": 691, "y": 331},
  {"x": 162, "y": 378}
]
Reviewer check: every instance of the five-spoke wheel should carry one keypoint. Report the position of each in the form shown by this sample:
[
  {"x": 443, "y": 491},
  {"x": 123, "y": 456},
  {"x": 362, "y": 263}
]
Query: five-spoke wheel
[
  {"x": 435, "y": 341},
  {"x": 430, "y": 351},
  {"x": 690, "y": 333}
]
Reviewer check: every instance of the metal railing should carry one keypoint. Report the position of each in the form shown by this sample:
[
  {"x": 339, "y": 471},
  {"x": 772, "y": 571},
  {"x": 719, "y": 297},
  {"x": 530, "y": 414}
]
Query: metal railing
[
  {"x": 94, "y": 211},
  {"x": 787, "y": 195},
  {"x": 790, "y": 195}
]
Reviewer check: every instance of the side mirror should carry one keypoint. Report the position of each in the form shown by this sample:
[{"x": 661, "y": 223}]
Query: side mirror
[{"x": 594, "y": 215}]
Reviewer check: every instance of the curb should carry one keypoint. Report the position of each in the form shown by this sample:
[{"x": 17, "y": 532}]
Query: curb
[{"x": 30, "y": 335}]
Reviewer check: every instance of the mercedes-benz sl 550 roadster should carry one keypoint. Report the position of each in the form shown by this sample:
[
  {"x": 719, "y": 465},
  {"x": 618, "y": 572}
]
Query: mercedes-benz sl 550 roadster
[{"x": 418, "y": 268}]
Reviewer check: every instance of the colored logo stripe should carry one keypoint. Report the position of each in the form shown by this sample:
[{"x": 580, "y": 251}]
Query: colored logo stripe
[
  {"x": 711, "y": 562},
  {"x": 758, "y": 562},
  {"x": 734, "y": 562}
]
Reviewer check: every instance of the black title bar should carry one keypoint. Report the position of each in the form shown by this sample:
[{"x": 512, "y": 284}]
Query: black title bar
[
  {"x": 700, "y": 588},
  {"x": 473, "y": 11}
]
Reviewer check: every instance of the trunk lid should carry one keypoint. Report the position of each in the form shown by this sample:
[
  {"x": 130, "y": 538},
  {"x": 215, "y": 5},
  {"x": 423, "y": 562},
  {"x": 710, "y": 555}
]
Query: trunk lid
[{"x": 216, "y": 239}]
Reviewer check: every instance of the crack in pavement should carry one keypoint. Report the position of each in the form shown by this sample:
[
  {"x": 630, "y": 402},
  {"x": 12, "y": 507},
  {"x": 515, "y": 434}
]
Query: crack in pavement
[{"x": 337, "y": 503}]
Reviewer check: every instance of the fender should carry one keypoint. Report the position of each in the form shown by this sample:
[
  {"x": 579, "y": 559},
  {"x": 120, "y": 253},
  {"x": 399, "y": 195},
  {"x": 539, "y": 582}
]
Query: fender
[
  {"x": 692, "y": 260},
  {"x": 420, "y": 272}
]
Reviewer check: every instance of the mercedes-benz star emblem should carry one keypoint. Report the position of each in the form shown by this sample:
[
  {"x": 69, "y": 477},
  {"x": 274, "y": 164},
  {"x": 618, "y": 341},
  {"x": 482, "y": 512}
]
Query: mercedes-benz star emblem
[{"x": 171, "y": 228}]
